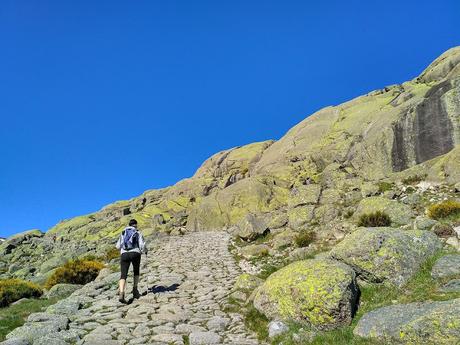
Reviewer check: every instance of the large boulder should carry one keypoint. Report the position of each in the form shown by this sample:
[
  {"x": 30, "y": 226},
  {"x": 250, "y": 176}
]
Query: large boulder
[
  {"x": 415, "y": 323},
  {"x": 386, "y": 254},
  {"x": 399, "y": 213},
  {"x": 39, "y": 325},
  {"x": 321, "y": 293},
  {"x": 62, "y": 290},
  {"x": 251, "y": 227}
]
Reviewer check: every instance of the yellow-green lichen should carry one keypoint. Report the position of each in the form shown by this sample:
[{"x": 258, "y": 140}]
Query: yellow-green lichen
[{"x": 311, "y": 291}]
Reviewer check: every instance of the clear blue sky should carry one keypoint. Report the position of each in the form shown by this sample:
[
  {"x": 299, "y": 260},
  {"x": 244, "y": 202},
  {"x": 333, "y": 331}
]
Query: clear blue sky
[{"x": 101, "y": 100}]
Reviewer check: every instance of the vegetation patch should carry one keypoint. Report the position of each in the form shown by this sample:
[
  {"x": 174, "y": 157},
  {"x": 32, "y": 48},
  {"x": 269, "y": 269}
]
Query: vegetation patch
[
  {"x": 384, "y": 187},
  {"x": 445, "y": 209},
  {"x": 413, "y": 179},
  {"x": 75, "y": 272},
  {"x": 374, "y": 219},
  {"x": 15, "y": 315},
  {"x": 257, "y": 322},
  {"x": 12, "y": 290},
  {"x": 305, "y": 238},
  {"x": 268, "y": 269}
]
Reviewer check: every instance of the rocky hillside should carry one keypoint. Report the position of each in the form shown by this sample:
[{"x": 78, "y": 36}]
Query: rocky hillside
[
  {"x": 349, "y": 223},
  {"x": 309, "y": 179}
]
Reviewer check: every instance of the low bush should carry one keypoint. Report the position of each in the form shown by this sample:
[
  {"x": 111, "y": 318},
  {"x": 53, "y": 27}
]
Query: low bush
[
  {"x": 304, "y": 238},
  {"x": 374, "y": 219},
  {"x": 75, "y": 272},
  {"x": 384, "y": 186},
  {"x": 443, "y": 230},
  {"x": 413, "y": 179},
  {"x": 12, "y": 290},
  {"x": 444, "y": 209}
]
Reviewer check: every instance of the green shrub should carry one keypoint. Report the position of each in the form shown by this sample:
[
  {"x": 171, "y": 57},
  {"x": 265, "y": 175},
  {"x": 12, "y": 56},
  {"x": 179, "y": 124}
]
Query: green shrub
[
  {"x": 15, "y": 315},
  {"x": 374, "y": 219},
  {"x": 413, "y": 179},
  {"x": 75, "y": 272},
  {"x": 384, "y": 186},
  {"x": 12, "y": 290},
  {"x": 444, "y": 209},
  {"x": 304, "y": 238}
]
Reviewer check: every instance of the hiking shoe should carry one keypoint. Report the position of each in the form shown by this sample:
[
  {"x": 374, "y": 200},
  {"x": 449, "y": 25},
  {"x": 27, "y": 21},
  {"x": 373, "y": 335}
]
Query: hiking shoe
[
  {"x": 121, "y": 298},
  {"x": 136, "y": 294}
]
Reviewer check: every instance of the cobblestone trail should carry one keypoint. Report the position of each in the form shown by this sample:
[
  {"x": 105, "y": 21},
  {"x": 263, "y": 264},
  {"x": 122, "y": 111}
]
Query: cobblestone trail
[{"x": 196, "y": 270}]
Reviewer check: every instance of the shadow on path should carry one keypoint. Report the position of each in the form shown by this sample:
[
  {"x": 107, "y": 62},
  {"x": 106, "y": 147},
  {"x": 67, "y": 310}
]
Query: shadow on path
[{"x": 159, "y": 288}]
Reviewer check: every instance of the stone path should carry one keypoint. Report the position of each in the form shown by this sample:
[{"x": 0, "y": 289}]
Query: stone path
[{"x": 196, "y": 270}]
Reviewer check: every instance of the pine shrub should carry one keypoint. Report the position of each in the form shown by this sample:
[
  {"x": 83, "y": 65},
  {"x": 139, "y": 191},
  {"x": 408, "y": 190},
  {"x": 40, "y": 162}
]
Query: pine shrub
[
  {"x": 12, "y": 290},
  {"x": 444, "y": 209},
  {"x": 75, "y": 272},
  {"x": 374, "y": 219}
]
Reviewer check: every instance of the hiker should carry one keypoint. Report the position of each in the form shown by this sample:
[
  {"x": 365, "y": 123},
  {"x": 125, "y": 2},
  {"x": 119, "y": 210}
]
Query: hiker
[{"x": 131, "y": 245}]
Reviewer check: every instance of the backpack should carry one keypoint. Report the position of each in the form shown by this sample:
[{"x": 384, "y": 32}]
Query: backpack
[{"x": 130, "y": 239}]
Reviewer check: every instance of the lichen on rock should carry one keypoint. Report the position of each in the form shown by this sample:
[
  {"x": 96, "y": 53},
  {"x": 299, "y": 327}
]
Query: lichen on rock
[
  {"x": 386, "y": 254},
  {"x": 319, "y": 292}
]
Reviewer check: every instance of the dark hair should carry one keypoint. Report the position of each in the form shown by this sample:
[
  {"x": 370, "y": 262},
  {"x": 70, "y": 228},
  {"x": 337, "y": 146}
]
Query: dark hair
[{"x": 132, "y": 222}]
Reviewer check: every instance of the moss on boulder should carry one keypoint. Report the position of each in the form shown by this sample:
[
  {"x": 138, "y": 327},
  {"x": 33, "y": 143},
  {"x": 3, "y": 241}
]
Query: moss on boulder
[
  {"x": 386, "y": 254},
  {"x": 321, "y": 293}
]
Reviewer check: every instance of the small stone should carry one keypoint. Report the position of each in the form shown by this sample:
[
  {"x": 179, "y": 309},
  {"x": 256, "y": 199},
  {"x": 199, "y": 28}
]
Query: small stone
[
  {"x": 454, "y": 242},
  {"x": 204, "y": 338},
  {"x": 424, "y": 223},
  {"x": 185, "y": 328},
  {"x": 217, "y": 323},
  {"x": 276, "y": 328}
]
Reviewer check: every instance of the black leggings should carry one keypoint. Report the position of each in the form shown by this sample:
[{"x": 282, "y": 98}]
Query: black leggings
[{"x": 126, "y": 259}]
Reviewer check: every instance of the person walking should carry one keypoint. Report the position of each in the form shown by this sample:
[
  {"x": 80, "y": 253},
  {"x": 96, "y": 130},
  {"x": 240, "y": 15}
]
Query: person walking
[{"x": 131, "y": 244}]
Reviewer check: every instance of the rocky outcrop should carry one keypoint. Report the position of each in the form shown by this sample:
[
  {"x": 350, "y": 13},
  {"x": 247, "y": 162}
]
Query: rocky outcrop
[
  {"x": 385, "y": 254},
  {"x": 311, "y": 179}
]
